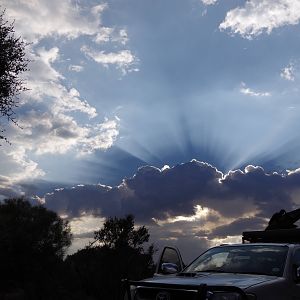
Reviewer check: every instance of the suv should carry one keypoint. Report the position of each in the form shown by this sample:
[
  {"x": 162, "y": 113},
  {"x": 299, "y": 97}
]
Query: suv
[{"x": 266, "y": 266}]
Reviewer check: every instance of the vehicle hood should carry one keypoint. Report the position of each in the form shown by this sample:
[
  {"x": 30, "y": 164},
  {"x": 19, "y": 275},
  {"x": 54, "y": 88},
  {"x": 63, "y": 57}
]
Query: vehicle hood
[{"x": 242, "y": 281}]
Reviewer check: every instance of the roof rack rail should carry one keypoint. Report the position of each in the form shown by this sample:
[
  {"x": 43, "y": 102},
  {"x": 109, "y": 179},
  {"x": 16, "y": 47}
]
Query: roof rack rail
[{"x": 286, "y": 236}]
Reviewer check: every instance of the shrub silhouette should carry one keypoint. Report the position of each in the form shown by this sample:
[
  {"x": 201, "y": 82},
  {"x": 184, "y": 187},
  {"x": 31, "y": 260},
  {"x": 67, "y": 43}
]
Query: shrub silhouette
[
  {"x": 33, "y": 241},
  {"x": 116, "y": 253}
]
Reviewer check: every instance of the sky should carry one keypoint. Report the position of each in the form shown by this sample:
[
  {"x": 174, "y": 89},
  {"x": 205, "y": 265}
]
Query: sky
[{"x": 184, "y": 113}]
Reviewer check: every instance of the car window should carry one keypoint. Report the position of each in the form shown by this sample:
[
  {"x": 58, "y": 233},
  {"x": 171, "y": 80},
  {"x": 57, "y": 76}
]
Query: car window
[{"x": 251, "y": 259}]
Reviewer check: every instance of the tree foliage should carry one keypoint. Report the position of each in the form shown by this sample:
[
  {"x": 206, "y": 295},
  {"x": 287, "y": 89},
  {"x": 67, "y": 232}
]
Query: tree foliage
[
  {"x": 32, "y": 229},
  {"x": 33, "y": 241},
  {"x": 119, "y": 232},
  {"x": 12, "y": 64},
  {"x": 118, "y": 252}
]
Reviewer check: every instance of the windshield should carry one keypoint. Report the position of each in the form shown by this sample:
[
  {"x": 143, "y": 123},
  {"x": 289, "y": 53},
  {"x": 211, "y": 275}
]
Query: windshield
[{"x": 247, "y": 259}]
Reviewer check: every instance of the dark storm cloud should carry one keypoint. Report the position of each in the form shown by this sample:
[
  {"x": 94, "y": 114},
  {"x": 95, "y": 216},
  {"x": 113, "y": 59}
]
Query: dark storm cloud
[
  {"x": 239, "y": 201},
  {"x": 174, "y": 191},
  {"x": 235, "y": 228},
  {"x": 154, "y": 193},
  {"x": 75, "y": 200},
  {"x": 149, "y": 193},
  {"x": 266, "y": 192}
]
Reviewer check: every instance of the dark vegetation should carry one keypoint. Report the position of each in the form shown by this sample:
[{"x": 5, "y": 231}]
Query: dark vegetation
[
  {"x": 33, "y": 243},
  {"x": 13, "y": 63}
]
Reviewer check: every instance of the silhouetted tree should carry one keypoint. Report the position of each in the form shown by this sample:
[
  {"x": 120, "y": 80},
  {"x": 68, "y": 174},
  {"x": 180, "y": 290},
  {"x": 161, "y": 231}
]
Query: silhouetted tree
[
  {"x": 32, "y": 228},
  {"x": 116, "y": 253},
  {"x": 119, "y": 232},
  {"x": 12, "y": 64},
  {"x": 33, "y": 241}
]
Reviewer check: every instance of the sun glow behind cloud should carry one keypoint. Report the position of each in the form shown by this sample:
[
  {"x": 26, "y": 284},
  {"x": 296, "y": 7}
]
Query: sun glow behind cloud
[
  {"x": 213, "y": 132},
  {"x": 201, "y": 213}
]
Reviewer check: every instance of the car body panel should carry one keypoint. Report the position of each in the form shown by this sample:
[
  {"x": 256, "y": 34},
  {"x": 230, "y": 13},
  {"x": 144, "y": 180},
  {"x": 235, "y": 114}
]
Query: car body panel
[{"x": 242, "y": 281}]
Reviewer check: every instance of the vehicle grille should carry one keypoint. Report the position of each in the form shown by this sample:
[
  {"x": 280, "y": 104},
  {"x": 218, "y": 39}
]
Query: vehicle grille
[{"x": 152, "y": 294}]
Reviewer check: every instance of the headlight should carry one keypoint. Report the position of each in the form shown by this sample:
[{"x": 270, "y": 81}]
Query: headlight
[
  {"x": 132, "y": 293},
  {"x": 222, "y": 296}
]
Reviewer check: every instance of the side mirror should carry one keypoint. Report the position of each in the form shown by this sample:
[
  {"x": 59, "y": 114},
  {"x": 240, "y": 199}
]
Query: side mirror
[
  {"x": 170, "y": 262},
  {"x": 169, "y": 268}
]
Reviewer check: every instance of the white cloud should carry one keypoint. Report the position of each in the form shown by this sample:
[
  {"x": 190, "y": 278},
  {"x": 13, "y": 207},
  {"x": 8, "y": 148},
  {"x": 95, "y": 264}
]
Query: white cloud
[
  {"x": 108, "y": 34},
  {"x": 76, "y": 68},
  {"x": 29, "y": 168},
  {"x": 288, "y": 73},
  {"x": 41, "y": 68},
  {"x": 67, "y": 101},
  {"x": 17, "y": 167},
  {"x": 209, "y": 2},
  {"x": 122, "y": 37},
  {"x": 122, "y": 59},
  {"x": 258, "y": 16},
  {"x": 36, "y": 19},
  {"x": 103, "y": 35},
  {"x": 98, "y": 9},
  {"x": 49, "y": 133},
  {"x": 68, "y": 19},
  {"x": 63, "y": 100},
  {"x": 247, "y": 91},
  {"x": 45, "y": 82},
  {"x": 59, "y": 133},
  {"x": 101, "y": 136},
  {"x": 48, "y": 56},
  {"x": 61, "y": 18}
]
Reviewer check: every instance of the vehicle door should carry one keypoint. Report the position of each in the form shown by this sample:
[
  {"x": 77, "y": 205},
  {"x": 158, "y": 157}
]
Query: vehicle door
[
  {"x": 296, "y": 274},
  {"x": 170, "y": 262}
]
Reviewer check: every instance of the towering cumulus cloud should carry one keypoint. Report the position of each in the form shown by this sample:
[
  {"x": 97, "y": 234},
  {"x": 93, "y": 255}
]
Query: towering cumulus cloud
[
  {"x": 191, "y": 200},
  {"x": 170, "y": 192}
]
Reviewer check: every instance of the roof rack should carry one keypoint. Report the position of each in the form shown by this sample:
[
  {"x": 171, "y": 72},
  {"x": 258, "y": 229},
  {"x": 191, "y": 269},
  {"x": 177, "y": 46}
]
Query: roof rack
[{"x": 286, "y": 236}]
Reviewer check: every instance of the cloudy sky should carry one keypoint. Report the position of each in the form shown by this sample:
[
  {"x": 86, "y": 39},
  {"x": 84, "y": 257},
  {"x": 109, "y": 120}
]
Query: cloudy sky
[{"x": 184, "y": 113}]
